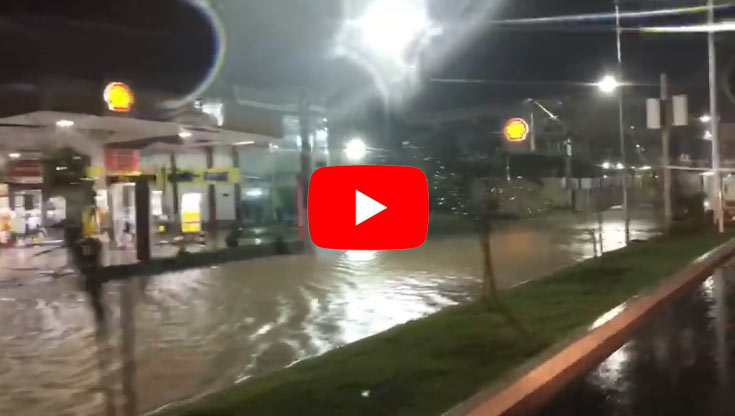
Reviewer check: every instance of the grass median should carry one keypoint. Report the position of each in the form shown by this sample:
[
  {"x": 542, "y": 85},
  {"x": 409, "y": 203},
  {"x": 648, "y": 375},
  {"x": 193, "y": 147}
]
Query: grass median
[{"x": 426, "y": 366}]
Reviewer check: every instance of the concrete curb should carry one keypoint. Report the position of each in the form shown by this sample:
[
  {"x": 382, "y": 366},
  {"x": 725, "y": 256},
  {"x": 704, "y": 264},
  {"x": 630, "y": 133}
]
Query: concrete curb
[
  {"x": 197, "y": 260},
  {"x": 534, "y": 388}
]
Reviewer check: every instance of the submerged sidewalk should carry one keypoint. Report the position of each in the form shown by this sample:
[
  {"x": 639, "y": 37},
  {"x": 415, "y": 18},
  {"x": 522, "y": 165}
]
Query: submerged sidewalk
[{"x": 49, "y": 260}]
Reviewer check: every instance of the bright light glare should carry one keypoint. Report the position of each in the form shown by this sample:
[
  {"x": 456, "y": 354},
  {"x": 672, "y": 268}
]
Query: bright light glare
[
  {"x": 254, "y": 192},
  {"x": 608, "y": 84},
  {"x": 360, "y": 255},
  {"x": 606, "y": 165},
  {"x": 705, "y": 118},
  {"x": 646, "y": 167},
  {"x": 355, "y": 150},
  {"x": 706, "y": 28},
  {"x": 245, "y": 143},
  {"x": 184, "y": 134},
  {"x": 707, "y": 135},
  {"x": 64, "y": 123},
  {"x": 14, "y": 155},
  {"x": 619, "y": 166},
  {"x": 390, "y": 26}
]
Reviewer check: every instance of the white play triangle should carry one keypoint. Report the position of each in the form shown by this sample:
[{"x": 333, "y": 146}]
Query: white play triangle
[{"x": 366, "y": 207}]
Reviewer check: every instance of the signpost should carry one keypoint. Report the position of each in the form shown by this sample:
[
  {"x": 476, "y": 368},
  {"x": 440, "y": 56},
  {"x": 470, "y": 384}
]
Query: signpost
[
  {"x": 664, "y": 113},
  {"x": 516, "y": 130},
  {"x": 119, "y": 97}
]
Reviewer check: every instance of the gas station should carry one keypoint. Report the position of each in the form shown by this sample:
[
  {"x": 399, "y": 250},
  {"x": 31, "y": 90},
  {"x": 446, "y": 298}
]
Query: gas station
[{"x": 183, "y": 174}]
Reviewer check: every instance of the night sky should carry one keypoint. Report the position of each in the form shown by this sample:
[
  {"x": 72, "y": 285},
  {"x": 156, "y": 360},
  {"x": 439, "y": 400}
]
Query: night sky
[{"x": 169, "y": 45}]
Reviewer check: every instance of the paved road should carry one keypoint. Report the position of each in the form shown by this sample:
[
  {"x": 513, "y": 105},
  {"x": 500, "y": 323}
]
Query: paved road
[
  {"x": 681, "y": 362},
  {"x": 204, "y": 329}
]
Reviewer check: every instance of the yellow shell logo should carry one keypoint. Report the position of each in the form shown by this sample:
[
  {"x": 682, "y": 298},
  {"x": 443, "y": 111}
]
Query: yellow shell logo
[
  {"x": 118, "y": 97},
  {"x": 515, "y": 130}
]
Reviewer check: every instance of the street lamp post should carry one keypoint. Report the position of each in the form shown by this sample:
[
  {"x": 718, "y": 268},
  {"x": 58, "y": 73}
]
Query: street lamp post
[
  {"x": 607, "y": 85},
  {"x": 714, "y": 117},
  {"x": 384, "y": 38},
  {"x": 621, "y": 128},
  {"x": 306, "y": 166}
]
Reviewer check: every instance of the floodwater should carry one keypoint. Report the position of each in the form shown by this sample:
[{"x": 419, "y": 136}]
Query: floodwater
[
  {"x": 203, "y": 329},
  {"x": 682, "y": 362}
]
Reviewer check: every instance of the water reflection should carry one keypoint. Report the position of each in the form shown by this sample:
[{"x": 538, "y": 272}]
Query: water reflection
[
  {"x": 609, "y": 373},
  {"x": 676, "y": 364},
  {"x": 204, "y": 329},
  {"x": 356, "y": 256}
]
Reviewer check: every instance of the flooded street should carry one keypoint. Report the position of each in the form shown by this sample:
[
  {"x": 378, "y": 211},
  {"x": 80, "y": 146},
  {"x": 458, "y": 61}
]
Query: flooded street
[
  {"x": 679, "y": 363},
  {"x": 203, "y": 329}
]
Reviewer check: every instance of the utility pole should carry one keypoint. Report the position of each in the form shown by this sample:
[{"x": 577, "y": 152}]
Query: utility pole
[
  {"x": 621, "y": 127},
  {"x": 568, "y": 154},
  {"x": 306, "y": 166},
  {"x": 532, "y": 127},
  {"x": 714, "y": 118},
  {"x": 665, "y": 153}
]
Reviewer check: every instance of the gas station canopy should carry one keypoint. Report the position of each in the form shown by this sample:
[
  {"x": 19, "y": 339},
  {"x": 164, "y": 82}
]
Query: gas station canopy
[{"x": 45, "y": 130}]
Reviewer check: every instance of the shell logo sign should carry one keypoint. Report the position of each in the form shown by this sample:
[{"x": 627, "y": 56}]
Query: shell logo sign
[
  {"x": 515, "y": 130},
  {"x": 119, "y": 97}
]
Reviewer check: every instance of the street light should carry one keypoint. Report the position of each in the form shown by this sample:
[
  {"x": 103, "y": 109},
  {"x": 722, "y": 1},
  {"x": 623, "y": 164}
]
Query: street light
[
  {"x": 705, "y": 118},
  {"x": 608, "y": 84},
  {"x": 65, "y": 123},
  {"x": 185, "y": 134},
  {"x": 390, "y": 26},
  {"x": 355, "y": 150}
]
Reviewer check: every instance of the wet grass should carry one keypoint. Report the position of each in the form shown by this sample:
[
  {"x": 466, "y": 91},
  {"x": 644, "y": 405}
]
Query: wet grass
[{"x": 426, "y": 366}]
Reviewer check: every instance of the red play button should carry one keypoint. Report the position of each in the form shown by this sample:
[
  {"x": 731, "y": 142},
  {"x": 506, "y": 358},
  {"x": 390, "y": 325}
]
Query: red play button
[{"x": 368, "y": 207}]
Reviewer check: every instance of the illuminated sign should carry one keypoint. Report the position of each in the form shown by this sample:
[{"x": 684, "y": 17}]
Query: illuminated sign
[
  {"x": 191, "y": 209},
  {"x": 122, "y": 161},
  {"x": 25, "y": 172},
  {"x": 515, "y": 130},
  {"x": 119, "y": 97},
  {"x": 210, "y": 176}
]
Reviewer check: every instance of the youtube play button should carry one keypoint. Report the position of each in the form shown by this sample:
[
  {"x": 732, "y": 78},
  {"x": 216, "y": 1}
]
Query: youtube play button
[{"x": 368, "y": 207}]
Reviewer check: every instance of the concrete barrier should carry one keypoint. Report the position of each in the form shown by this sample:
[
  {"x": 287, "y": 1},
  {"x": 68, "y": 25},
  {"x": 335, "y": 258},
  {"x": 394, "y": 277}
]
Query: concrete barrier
[{"x": 534, "y": 388}]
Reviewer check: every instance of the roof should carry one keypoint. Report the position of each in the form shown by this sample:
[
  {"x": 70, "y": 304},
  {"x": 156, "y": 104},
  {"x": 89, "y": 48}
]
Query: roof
[{"x": 38, "y": 131}]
